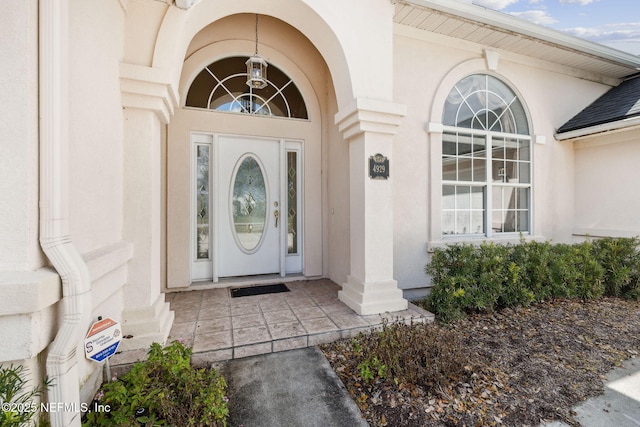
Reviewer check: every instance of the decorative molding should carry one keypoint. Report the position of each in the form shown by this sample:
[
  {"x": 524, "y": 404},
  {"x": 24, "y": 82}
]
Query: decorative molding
[
  {"x": 105, "y": 260},
  {"x": 148, "y": 88},
  {"x": 368, "y": 115},
  {"x": 433, "y": 127},
  {"x": 186, "y": 4},
  {"x": 491, "y": 57},
  {"x": 29, "y": 291},
  {"x": 372, "y": 297},
  {"x": 29, "y": 321}
]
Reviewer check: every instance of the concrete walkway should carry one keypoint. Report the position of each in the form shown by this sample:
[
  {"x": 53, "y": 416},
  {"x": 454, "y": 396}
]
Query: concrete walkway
[
  {"x": 296, "y": 388},
  {"x": 619, "y": 406}
]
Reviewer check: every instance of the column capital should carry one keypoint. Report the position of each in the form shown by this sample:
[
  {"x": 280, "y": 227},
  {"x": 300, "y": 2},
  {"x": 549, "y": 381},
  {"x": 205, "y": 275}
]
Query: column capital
[
  {"x": 148, "y": 88},
  {"x": 370, "y": 115}
]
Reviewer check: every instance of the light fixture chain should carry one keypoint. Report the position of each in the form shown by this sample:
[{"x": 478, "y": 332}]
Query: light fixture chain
[{"x": 256, "y": 34}]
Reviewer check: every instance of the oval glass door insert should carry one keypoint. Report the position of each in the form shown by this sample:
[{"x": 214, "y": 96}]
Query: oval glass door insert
[{"x": 249, "y": 203}]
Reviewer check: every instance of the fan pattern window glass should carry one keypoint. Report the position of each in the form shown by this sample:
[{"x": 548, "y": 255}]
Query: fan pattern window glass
[
  {"x": 486, "y": 160},
  {"x": 221, "y": 86}
]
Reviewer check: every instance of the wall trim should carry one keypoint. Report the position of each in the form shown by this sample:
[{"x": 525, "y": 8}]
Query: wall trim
[
  {"x": 604, "y": 232},
  {"x": 107, "y": 259},
  {"x": 148, "y": 88},
  {"x": 369, "y": 115}
]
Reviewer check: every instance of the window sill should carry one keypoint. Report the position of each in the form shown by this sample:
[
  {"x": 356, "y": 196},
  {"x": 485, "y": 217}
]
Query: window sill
[{"x": 478, "y": 240}]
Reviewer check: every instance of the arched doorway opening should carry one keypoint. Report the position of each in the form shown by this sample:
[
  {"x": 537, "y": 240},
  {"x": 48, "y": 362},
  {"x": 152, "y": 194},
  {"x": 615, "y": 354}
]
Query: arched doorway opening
[{"x": 244, "y": 182}]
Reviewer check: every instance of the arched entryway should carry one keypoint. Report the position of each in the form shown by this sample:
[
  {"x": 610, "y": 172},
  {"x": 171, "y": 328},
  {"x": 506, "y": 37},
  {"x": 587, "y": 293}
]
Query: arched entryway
[
  {"x": 347, "y": 85},
  {"x": 244, "y": 183}
]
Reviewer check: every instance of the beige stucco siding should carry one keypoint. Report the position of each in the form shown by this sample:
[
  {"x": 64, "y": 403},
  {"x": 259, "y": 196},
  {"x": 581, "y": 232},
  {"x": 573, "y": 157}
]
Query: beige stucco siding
[
  {"x": 19, "y": 248},
  {"x": 95, "y": 125},
  {"x": 606, "y": 177}
]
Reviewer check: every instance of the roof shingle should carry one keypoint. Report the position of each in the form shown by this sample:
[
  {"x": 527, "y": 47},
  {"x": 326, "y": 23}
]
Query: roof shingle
[{"x": 619, "y": 103}]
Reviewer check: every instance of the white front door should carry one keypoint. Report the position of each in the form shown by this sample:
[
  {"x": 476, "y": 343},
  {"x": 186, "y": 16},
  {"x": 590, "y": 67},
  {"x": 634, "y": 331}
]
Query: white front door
[
  {"x": 249, "y": 206},
  {"x": 252, "y": 220}
]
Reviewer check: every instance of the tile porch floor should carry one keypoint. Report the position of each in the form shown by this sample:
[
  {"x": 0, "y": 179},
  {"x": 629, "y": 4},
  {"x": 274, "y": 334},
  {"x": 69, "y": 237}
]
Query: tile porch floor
[{"x": 219, "y": 327}]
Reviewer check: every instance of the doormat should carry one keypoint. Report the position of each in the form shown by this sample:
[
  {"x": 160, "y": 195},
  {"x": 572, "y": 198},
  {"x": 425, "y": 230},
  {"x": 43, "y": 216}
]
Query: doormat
[{"x": 259, "y": 290}]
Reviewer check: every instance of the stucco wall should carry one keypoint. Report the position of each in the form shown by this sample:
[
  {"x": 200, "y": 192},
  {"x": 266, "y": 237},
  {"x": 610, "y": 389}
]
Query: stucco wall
[
  {"x": 338, "y": 258},
  {"x": 28, "y": 317},
  {"x": 426, "y": 68},
  {"x": 90, "y": 54},
  {"x": 606, "y": 176},
  {"x": 19, "y": 248},
  {"x": 95, "y": 125}
]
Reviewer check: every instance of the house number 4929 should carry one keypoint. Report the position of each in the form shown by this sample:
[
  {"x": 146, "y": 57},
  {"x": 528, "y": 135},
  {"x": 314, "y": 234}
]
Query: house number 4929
[{"x": 378, "y": 167}]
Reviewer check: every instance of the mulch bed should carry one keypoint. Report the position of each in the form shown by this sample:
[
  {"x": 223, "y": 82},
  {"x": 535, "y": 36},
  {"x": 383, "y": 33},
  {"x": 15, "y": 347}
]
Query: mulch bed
[{"x": 528, "y": 365}]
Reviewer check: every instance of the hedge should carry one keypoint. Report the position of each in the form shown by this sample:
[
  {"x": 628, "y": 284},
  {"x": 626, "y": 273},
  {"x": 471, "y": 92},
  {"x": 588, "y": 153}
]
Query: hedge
[{"x": 488, "y": 277}]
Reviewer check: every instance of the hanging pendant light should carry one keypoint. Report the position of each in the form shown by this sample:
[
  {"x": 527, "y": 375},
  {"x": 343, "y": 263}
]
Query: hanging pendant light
[{"x": 256, "y": 68}]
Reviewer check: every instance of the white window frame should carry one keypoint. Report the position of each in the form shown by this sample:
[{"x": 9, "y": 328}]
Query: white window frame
[{"x": 487, "y": 184}]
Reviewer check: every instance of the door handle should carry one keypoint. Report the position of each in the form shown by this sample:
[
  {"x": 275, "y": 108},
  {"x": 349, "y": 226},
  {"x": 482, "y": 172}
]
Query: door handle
[{"x": 276, "y": 214}]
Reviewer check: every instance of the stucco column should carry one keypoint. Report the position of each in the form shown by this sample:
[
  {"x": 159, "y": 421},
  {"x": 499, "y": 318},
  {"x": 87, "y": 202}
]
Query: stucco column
[
  {"x": 369, "y": 126},
  {"x": 148, "y": 103}
]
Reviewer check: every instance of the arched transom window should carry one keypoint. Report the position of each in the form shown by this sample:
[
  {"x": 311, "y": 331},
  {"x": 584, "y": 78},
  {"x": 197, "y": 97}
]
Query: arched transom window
[
  {"x": 486, "y": 160},
  {"x": 221, "y": 86}
]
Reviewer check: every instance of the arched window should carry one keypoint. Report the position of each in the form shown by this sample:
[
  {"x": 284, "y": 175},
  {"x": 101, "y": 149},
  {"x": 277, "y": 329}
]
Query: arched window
[
  {"x": 221, "y": 86},
  {"x": 486, "y": 160}
]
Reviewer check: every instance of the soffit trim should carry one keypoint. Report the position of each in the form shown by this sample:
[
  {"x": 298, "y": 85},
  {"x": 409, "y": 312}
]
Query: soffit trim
[{"x": 510, "y": 24}]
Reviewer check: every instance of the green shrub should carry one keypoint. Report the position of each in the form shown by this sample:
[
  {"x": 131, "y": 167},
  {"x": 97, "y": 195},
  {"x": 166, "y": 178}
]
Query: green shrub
[
  {"x": 487, "y": 277},
  {"x": 163, "y": 390},
  {"x": 453, "y": 269},
  {"x": 18, "y": 407},
  {"x": 516, "y": 292},
  {"x": 475, "y": 278},
  {"x": 421, "y": 354},
  {"x": 589, "y": 272},
  {"x": 534, "y": 260},
  {"x": 620, "y": 259}
]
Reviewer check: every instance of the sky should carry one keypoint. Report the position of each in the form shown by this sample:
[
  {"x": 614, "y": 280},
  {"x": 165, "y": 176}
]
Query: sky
[{"x": 614, "y": 23}]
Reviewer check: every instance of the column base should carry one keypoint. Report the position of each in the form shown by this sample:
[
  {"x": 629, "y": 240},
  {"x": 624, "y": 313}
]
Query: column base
[
  {"x": 146, "y": 325},
  {"x": 372, "y": 297}
]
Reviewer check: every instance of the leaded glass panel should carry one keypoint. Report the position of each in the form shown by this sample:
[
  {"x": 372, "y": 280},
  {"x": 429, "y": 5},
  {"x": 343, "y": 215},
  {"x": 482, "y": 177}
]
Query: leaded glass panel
[
  {"x": 292, "y": 202},
  {"x": 249, "y": 203},
  {"x": 202, "y": 202}
]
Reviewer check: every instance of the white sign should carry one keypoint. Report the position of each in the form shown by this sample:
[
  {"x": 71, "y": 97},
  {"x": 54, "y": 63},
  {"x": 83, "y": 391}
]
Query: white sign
[{"x": 103, "y": 339}]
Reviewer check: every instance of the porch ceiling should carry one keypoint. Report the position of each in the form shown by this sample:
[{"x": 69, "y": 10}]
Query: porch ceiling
[{"x": 500, "y": 31}]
